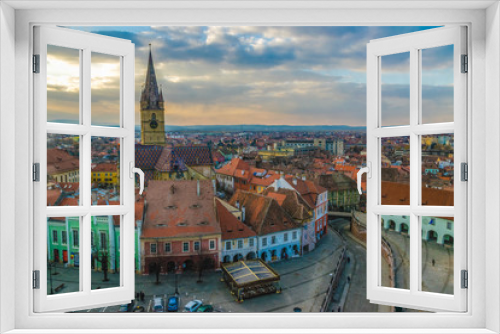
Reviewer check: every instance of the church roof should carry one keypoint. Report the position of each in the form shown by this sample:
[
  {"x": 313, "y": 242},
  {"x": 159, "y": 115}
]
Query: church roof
[
  {"x": 176, "y": 158},
  {"x": 150, "y": 93},
  {"x": 146, "y": 156}
]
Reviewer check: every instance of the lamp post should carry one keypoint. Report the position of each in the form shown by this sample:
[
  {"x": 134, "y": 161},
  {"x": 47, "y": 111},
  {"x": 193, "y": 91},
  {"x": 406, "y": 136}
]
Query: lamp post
[{"x": 50, "y": 276}]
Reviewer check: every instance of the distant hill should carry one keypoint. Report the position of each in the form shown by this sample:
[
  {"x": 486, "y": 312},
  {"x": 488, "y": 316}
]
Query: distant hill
[{"x": 258, "y": 128}]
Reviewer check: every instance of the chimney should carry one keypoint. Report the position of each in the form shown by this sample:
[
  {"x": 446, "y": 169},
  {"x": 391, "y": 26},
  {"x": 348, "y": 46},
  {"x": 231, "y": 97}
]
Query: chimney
[
  {"x": 243, "y": 213},
  {"x": 198, "y": 188},
  {"x": 303, "y": 177},
  {"x": 294, "y": 181}
]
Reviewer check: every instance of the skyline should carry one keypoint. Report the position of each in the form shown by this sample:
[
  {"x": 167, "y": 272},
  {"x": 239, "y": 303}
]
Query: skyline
[{"x": 262, "y": 75}]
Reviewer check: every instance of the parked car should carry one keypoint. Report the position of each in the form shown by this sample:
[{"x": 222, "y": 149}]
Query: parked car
[
  {"x": 205, "y": 308},
  {"x": 157, "y": 304},
  {"x": 193, "y": 305},
  {"x": 173, "y": 304}
]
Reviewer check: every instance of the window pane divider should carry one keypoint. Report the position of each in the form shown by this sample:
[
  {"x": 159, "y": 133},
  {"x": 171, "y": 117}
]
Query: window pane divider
[
  {"x": 94, "y": 210},
  {"x": 423, "y": 129}
]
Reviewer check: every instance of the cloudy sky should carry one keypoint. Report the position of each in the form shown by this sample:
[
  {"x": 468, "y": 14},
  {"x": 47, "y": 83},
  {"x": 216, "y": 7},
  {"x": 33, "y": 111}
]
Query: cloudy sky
[{"x": 255, "y": 75}]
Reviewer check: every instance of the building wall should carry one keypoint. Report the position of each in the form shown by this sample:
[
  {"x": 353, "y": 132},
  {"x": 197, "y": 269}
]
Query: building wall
[
  {"x": 176, "y": 254},
  {"x": 292, "y": 246},
  {"x": 68, "y": 176},
  {"x": 105, "y": 177},
  {"x": 245, "y": 251},
  {"x": 442, "y": 228}
]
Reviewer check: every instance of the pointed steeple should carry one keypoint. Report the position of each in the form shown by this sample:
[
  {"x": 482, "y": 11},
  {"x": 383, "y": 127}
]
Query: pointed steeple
[
  {"x": 150, "y": 96},
  {"x": 160, "y": 98}
]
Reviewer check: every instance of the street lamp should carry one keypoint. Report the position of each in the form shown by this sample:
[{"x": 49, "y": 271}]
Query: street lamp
[{"x": 49, "y": 264}]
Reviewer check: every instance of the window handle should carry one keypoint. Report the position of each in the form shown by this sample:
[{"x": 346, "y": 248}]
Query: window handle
[
  {"x": 363, "y": 170},
  {"x": 134, "y": 170}
]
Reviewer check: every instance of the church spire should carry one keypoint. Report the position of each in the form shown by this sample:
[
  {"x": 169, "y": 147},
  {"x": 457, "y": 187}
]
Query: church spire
[{"x": 150, "y": 95}]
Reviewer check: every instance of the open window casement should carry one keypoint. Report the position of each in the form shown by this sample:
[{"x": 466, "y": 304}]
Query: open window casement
[
  {"x": 92, "y": 229},
  {"x": 430, "y": 256}
]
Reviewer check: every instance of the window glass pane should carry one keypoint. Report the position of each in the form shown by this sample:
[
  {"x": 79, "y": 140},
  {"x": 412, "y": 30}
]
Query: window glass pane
[
  {"x": 63, "y": 255},
  {"x": 105, "y": 252},
  {"x": 63, "y": 170},
  {"x": 395, "y": 169},
  {"x": 437, "y": 170},
  {"x": 437, "y": 84},
  {"x": 395, "y": 89},
  {"x": 105, "y": 86},
  {"x": 63, "y": 85},
  {"x": 437, "y": 254},
  {"x": 105, "y": 171},
  {"x": 395, "y": 253}
]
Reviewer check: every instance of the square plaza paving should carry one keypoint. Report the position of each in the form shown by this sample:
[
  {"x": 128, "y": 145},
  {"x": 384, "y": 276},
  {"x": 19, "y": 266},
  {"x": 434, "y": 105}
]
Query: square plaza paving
[{"x": 304, "y": 282}]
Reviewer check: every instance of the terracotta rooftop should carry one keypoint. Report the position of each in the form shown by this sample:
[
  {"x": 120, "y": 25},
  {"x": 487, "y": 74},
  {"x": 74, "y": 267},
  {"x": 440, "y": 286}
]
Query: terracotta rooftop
[
  {"x": 179, "y": 157},
  {"x": 234, "y": 167},
  {"x": 174, "y": 209},
  {"x": 231, "y": 227},
  {"x": 394, "y": 193},
  {"x": 308, "y": 189},
  {"x": 280, "y": 198},
  {"x": 60, "y": 161},
  {"x": 53, "y": 195},
  {"x": 293, "y": 203},
  {"x": 105, "y": 167},
  {"x": 262, "y": 213}
]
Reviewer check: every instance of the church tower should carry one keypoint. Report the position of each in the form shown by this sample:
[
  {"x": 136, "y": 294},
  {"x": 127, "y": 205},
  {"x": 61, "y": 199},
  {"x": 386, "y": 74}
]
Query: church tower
[{"x": 152, "y": 110}]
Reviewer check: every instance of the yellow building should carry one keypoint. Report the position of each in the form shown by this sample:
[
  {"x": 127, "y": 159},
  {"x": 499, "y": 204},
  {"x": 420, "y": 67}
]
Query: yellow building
[
  {"x": 283, "y": 152},
  {"x": 106, "y": 174}
]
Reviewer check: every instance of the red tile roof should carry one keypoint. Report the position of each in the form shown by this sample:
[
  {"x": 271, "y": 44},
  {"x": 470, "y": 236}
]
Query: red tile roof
[
  {"x": 105, "y": 167},
  {"x": 174, "y": 209},
  {"x": 293, "y": 203},
  {"x": 262, "y": 213},
  {"x": 234, "y": 168},
  {"x": 308, "y": 189},
  {"x": 60, "y": 161},
  {"x": 231, "y": 227},
  {"x": 53, "y": 195},
  {"x": 394, "y": 193},
  {"x": 280, "y": 198}
]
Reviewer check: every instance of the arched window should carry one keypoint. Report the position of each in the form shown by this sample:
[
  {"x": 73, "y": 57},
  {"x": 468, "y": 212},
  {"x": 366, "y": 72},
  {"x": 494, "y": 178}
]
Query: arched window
[{"x": 153, "y": 116}]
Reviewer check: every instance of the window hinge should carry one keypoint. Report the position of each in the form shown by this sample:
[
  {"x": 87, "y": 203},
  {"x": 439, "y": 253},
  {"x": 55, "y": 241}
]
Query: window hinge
[
  {"x": 36, "y": 63},
  {"x": 464, "y": 173},
  {"x": 36, "y": 279},
  {"x": 36, "y": 172},
  {"x": 465, "y": 64},
  {"x": 465, "y": 279}
]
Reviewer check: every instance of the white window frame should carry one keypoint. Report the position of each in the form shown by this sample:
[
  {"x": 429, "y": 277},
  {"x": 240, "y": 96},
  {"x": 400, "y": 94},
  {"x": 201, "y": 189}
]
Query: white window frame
[
  {"x": 210, "y": 244},
  {"x": 169, "y": 247},
  {"x": 151, "y": 248},
  {"x": 86, "y": 44},
  {"x": 194, "y": 246},
  {"x": 483, "y": 99},
  {"x": 184, "y": 243},
  {"x": 411, "y": 44}
]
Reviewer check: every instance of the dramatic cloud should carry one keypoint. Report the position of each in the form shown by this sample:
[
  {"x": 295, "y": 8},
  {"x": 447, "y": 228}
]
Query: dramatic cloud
[{"x": 261, "y": 75}]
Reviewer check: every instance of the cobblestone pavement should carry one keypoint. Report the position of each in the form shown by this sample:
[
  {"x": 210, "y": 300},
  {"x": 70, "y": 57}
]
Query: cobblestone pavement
[{"x": 304, "y": 282}]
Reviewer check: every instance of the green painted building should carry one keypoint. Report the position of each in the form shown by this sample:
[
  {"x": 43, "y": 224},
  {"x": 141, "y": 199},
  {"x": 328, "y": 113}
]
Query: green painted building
[{"x": 63, "y": 242}]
